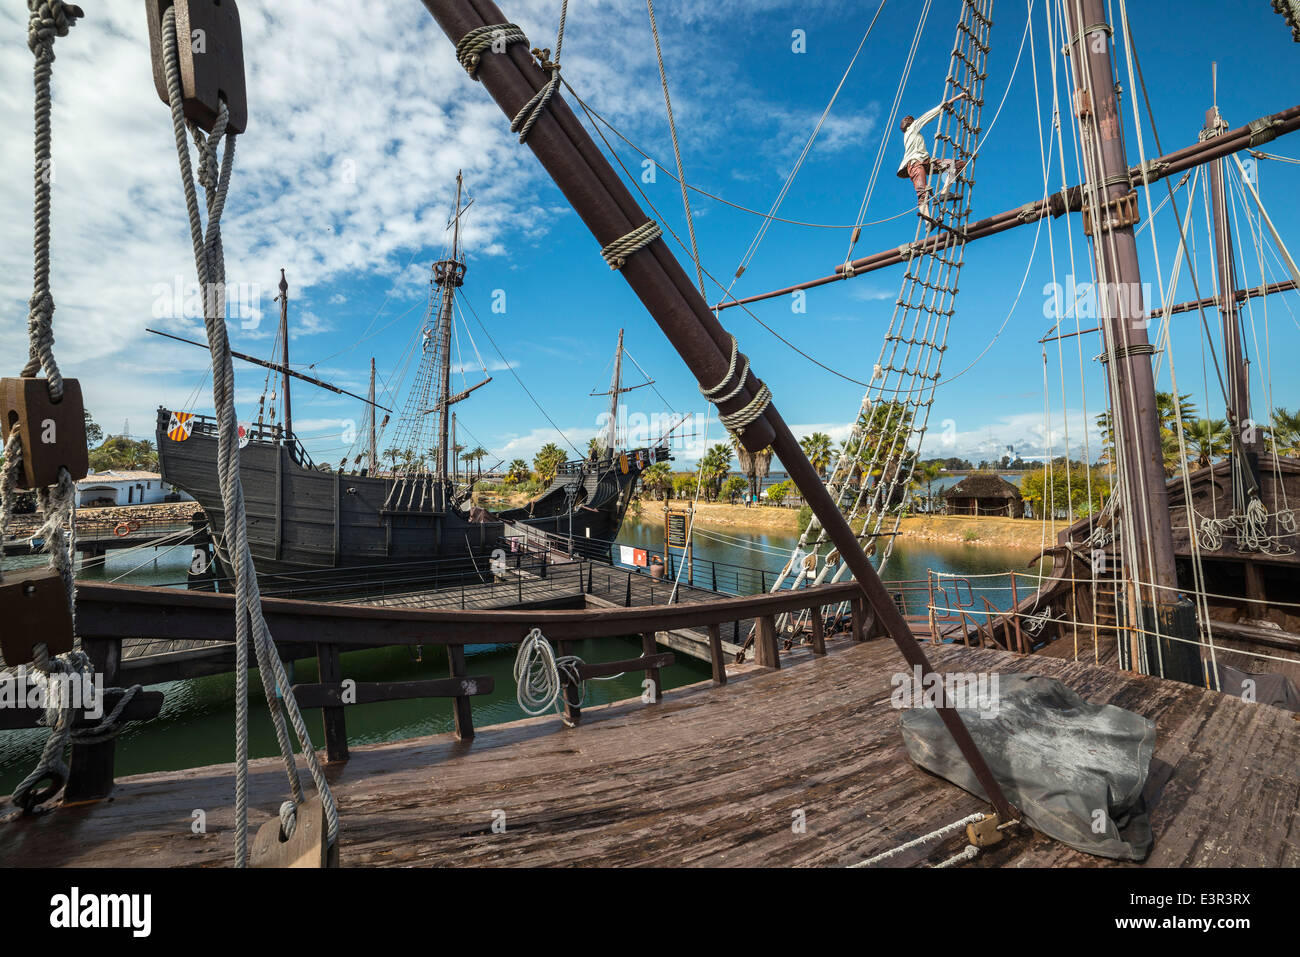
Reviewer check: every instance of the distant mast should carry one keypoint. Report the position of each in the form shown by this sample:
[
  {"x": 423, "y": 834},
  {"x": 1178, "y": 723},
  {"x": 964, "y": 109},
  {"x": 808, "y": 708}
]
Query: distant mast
[
  {"x": 284, "y": 347},
  {"x": 374, "y": 467},
  {"x": 448, "y": 275},
  {"x": 613, "y": 394}
]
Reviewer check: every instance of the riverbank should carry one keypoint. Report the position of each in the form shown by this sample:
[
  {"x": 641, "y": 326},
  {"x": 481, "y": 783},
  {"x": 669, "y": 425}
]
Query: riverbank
[
  {"x": 177, "y": 512},
  {"x": 989, "y": 530}
]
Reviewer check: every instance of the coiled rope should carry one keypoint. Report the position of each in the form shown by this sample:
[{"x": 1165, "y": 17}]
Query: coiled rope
[{"x": 537, "y": 674}]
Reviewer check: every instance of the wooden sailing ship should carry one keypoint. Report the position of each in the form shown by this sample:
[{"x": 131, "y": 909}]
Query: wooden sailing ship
[{"x": 302, "y": 516}]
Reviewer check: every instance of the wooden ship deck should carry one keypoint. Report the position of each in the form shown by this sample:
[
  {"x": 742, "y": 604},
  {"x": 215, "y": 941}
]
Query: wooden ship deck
[{"x": 711, "y": 777}]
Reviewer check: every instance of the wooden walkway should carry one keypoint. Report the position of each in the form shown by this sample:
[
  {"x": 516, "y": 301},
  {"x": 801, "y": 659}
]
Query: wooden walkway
[{"x": 714, "y": 777}]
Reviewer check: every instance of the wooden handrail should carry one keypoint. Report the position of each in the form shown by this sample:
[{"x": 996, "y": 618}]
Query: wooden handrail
[{"x": 134, "y": 611}]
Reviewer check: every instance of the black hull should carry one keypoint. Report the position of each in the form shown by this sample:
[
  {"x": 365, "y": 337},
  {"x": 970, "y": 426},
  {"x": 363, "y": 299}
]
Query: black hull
[{"x": 301, "y": 518}]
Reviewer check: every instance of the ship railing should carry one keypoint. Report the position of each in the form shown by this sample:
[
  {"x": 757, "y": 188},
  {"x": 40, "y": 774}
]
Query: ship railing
[
  {"x": 107, "y": 615},
  {"x": 261, "y": 433}
]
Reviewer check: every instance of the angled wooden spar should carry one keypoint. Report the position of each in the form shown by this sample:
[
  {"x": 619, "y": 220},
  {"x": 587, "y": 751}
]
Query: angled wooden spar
[
  {"x": 603, "y": 202},
  {"x": 1068, "y": 200}
]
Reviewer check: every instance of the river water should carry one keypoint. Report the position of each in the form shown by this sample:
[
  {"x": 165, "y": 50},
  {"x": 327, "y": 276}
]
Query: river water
[{"x": 196, "y": 726}]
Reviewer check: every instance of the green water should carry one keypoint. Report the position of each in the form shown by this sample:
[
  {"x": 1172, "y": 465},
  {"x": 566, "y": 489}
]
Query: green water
[{"x": 196, "y": 726}]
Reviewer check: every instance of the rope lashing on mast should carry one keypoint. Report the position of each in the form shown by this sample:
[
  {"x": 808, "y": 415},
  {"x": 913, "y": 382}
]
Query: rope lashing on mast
[
  {"x": 736, "y": 422},
  {"x": 620, "y": 250},
  {"x": 495, "y": 37},
  {"x": 250, "y": 623}
]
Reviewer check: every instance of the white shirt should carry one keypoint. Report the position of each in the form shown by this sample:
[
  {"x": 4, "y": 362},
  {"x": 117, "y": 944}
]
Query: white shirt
[{"x": 915, "y": 149}]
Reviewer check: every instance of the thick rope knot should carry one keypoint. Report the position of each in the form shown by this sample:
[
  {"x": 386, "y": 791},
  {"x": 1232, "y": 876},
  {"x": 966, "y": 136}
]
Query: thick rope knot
[
  {"x": 494, "y": 37},
  {"x": 620, "y": 250},
  {"x": 49, "y": 19}
]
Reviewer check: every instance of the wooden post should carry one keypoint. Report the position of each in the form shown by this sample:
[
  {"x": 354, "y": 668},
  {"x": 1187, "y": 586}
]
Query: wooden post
[
  {"x": 461, "y": 713},
  {"x": 571, "y": 692},
  {"x": 1015, "y": 618},
  {"x": 818, "y": 632},
  {"x": 336, "y": 727},
  {"x": 652, "y": 674},
  {"x": 715, "y": 655},
  {"x": 90, "y": 767},
  {"x": 857, "y": 613},
  {"x": 766, "y": 652}
]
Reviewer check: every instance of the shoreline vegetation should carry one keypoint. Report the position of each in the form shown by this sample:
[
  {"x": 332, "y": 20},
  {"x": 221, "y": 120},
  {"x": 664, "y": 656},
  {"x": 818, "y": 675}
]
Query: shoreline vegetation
[
  {"x": 982, "y": 530},
  {"x": 986, "y": 530}
]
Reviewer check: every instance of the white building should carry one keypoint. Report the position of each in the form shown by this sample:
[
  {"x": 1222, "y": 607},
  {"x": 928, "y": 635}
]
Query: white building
[{"x": 112, "y": 487}]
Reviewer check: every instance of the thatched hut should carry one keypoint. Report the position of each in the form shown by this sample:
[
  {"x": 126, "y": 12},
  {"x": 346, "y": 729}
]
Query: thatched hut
[{"x": 985, "y": 494}]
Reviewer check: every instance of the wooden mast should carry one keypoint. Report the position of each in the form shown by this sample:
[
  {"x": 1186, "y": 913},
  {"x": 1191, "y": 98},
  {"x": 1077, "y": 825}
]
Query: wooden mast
[
  {"x": 449, "y": 274},
  {"x": 374, "y": 468},
  {"x": 1245, "y": 445},
  {"x": 284, "y": 348},
  {"x": 613, "y": 394},
  {"x": 1238, "y": 408},
  {"x": 611, "y": 213},
  {"x": 1110, "y": 210}
]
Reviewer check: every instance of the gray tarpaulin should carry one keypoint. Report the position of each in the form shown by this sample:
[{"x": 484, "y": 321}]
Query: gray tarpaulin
[
  {"x": 1075, "y": 770},
  {"x": 1277, "y": 690}
]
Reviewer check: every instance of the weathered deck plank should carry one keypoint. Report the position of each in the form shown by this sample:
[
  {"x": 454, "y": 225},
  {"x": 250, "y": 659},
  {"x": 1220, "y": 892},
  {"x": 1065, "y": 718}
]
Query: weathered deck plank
[{"x": 714, "y": 777}]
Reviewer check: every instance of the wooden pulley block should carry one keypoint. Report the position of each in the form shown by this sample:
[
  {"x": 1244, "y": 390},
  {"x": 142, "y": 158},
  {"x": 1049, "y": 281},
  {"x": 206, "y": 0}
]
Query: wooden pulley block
[
  {"x": 53, "y": 434},
  {"x": 34, "y": 608},
  {"x": 984, "y": 833},
  {"x": 308, "y": 846},
  {"x": 210, "y": 45}
]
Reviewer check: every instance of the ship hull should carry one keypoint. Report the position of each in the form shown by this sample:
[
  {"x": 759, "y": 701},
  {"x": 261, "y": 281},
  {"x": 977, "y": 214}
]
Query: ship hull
[{"x": 301, "y": 518}]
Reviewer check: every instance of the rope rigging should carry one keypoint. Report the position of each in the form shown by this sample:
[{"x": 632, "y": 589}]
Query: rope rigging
[
  {"x": 250, "y": 625},
  {"x": 871, "y": 479}
]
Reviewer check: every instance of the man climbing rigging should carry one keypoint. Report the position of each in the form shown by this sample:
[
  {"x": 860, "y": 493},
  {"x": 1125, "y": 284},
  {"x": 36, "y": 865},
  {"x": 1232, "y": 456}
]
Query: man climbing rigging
[{"x": 918, "y": 165}]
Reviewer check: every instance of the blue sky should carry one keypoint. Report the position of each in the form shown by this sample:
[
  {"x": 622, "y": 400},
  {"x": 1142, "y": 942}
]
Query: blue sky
[{"x": 359, "y": 124}]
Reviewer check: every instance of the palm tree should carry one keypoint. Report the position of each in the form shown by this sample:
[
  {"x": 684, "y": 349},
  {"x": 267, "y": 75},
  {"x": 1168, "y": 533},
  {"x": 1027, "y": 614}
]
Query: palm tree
[
  {"x": 924, "y": 475},
  {"x": 547, "y": 461},
  {"x": 658, "y": 478},
  {"x": 755, "y": 465},
  {"x": 518, "y": 471},
  {"x": 714, "y": 467},
  {"x": 1209, "y": 438},
  {"x": 477, "y": 455},
  {"x": 1285, "y": 432},
  {"x": 817, "y": 447}
]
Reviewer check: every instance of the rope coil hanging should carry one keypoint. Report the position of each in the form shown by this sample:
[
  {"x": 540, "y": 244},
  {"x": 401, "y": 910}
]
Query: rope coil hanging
[{"x": 620, "y": 250}]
